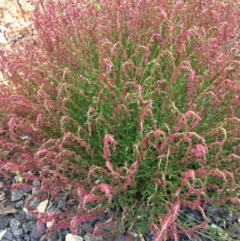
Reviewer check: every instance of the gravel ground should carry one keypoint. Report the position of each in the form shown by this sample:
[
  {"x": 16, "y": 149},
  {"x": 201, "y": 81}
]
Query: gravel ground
[
  {"x": 17, "y": 223},
  {"x": 14, "y": 26}
]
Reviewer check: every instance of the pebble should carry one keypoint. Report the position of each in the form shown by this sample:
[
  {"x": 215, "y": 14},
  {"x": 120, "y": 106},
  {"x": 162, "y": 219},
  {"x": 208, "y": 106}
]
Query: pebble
[
  {"x": 16, "y": 196},
  {"x": 14, "y": 27},
  {"x": 71, "y": 237},
  {"x": 15, "y": 224},
  {"x": 42, "y": 206}
]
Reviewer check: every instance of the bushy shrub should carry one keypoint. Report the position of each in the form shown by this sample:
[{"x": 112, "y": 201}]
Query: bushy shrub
[{"x": 128, "y": 105}]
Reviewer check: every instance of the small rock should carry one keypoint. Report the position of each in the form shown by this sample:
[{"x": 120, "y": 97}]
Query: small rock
[
  {"x": 86, "y": 226},
  {"x": 150, "y": 235},
  {"x": 8, "y": 235},
  {"x": 18, "y": 233},
  {"x": 36, "y": 183},
  {"x": 24, "y": 137},
  {"x": 51, "y": 223},
  {"x": 216, "y": 219},
  {"x": 71, "y": 237},
  {"x": 2, "y": 233},
  {"x": 26, "y": 228},
  {"x": 36, "y": 191},
  {"x": 214, "y": 226},
  {"x": 87, "y": 237},
  {"x": 32, "y": 224},
  {"x": 5, "y": 220},
  {"x": 65, "y": 231},
  {"x": 190, "y": 217},
  {"x": 19, "y": 204},
  {"x": 234, "y": 148},
  {"x": 120, "y": 238},
  {"x": 34, "y": 233},
  {"x": 20, "y": 215},
  {"x": 29, "y": 216},
  {"x": 44, "y": 238},
  {"x": 135, "y": 235},
  {"x": 61, "y": 206},
  {"x": 210, "y": 209},
  {"x": 16, "y": 196},
  {"x": 6, "y": 189},
  {"x": 42, "y": 229},
  {"x": 15, "y": 224},
  {"x": 33, "y": 203},
  {"x": 52, "y": 236},
  {"x": 97, "y": 181},
  {"x": 25, "y": 189},
  {"x": 42, "y": 206}
]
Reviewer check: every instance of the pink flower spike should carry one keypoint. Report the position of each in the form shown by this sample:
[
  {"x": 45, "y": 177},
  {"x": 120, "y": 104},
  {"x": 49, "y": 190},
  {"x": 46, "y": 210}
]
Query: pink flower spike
[{"x": 200, "y": 151}]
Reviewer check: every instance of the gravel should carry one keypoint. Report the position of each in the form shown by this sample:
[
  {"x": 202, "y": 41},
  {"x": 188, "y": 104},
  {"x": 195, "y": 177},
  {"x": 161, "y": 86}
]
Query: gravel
[{"x": 21, "y": 225}]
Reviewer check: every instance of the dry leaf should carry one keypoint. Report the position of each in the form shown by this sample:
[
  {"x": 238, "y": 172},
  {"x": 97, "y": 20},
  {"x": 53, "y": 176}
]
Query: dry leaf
[{"x": 4, "y": 210}]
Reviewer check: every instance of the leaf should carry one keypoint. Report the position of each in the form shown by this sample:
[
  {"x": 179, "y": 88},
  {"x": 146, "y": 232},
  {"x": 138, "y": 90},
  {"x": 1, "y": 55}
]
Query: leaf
[{"x": 4, "y": 210}]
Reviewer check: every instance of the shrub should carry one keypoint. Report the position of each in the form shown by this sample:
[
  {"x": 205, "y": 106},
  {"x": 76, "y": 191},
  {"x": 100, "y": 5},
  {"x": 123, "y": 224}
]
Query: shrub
[{"x": 128, "y": 105}]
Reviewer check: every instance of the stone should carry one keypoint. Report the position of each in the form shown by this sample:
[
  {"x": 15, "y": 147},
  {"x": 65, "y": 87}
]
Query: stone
[
  {"x": 5, "y": 220},
  {"x": 71, "y": 237},
  {"x": 34, "y": 233},
  {"x": 32, "y": 224},
  {"x": 135, "y": 235},
  {"x": 16, "y": 196},
  {"x": 36, "y": 191},
  {"x": 210, "y": 209},
  {"x": 20, "y": 215},
  {"x": 33, "y": 203},
  {"x": 44, "y": 238},
  {"x": 120, "y": 238},
  {"x": 24, "y": 137},
  {"x": 19, "y": 204},
  {"x": 87, "y": 237},
  {"x": 15, "y": 224},
  {"x": 86, "y": 226},
  {"x": 42, "y": 206},
  {"x": 18, "y": 233},
  {"x": 28, "y": 214},
  {"x": 42, "y": 229},
  {"x": 2, "y": 233},
  {"x": 52, "y": 236},
  {"x": 65, "y": 231},
  {"x": 36, "y": 183},
  {"x": 150, "y": 235},
  {"x": 20, "y": 239},
  {"x": 8, "y": 235},
  {"x": 61, "y": 205},
  {"x": 51, "y": 223},
  {"x": 26, "y": 228},
  {"x": 26, "y": 189}
]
